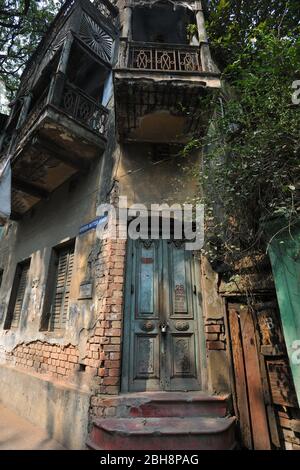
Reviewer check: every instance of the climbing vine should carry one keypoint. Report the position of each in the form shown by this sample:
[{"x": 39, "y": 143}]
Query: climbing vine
[{"x": 251, "y": 155}]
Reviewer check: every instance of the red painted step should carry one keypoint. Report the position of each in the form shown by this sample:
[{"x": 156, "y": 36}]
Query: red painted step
[
  {"x": 163, "y": 434},
  {"x": 168, "y": 404}
]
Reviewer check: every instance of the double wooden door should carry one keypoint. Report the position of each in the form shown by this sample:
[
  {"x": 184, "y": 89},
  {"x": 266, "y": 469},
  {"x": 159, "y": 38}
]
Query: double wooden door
[{"x": 162, "y": 318}]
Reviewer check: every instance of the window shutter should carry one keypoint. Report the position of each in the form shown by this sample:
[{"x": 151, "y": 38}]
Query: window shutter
[
  {"x": 22, "y": 283},
  {"x": 60, "y": 303}
]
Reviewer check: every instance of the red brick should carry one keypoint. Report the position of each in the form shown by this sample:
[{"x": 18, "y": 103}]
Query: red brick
[
  {"x": 117, "y": 294},
  {"x": 101, "y": 372},
  {"x": 212, "y": 336},
  {"x": 114, "y": 372},
  {"x": 116, "y": 309},
  {"x": 111, "y": 347},
  {"x": 110, "y": 380},
  {"x": 113, "y": 332},
  {"x": 112, "y": 364},
  {"x": 72, "y": 359},
  {"x": 117, "y": 272},
  {"x": 112, "y": 390},
  {"x": 215, "y": 345},
  {"x": 99, "y": 331},
  {"x": 213, "y": 329},
  {"x": 116, "y": 340}
]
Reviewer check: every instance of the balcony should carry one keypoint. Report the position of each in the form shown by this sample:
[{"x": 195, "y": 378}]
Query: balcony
[
  {"x": 160, "y": 86},
  {"x": 57, "y": 125},
  {"x": 93, "y": 23},
  {"x": 164, "y": 58},
  {"x": 58, "y": 139}
]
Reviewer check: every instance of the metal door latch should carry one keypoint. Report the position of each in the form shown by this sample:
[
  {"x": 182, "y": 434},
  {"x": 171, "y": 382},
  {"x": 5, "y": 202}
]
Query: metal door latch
[{"x": 163, "y": 328}]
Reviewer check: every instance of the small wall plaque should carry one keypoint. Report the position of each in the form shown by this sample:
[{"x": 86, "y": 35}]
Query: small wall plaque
[{"x": 85, "y": 291}]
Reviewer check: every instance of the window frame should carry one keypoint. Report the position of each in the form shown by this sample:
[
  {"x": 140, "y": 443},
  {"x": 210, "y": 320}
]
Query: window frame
[
  {"x": 51, "y": 286},
  {"x": 25, "y": 264}
]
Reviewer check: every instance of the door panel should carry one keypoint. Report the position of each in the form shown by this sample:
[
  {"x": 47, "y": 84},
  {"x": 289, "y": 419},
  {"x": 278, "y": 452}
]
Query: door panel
[
  {"x": 180, "y": 314},
  {"x": 144, "y": 368},
  {"x": 161, "y": 320},
  {"x": 251, "y": 407}
]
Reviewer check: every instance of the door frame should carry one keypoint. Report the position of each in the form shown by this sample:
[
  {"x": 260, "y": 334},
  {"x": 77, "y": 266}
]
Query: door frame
[{"x": 199, "y": 318}]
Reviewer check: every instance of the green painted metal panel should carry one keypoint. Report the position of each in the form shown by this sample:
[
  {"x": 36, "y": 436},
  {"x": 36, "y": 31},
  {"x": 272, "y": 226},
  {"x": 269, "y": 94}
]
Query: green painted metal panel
[{"x": 284, "y": 251}]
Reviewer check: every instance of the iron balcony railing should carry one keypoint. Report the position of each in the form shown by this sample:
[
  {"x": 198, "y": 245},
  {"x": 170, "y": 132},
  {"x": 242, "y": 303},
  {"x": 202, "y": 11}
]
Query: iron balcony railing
[
  {"x": 164, "y": 57},
  {"x": 84, "y": 109},
  {"x": 75, "y": 103}
]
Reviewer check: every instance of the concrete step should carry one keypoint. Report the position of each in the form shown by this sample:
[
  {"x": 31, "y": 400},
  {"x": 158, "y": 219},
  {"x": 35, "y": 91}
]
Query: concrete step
[
  {"x": 163, "y": 434},
  {"x": 168, "y": 404}
]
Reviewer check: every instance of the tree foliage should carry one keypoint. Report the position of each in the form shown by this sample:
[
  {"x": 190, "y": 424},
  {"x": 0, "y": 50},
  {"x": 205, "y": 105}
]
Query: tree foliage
[
  {"x": 251, "y": 169},
  {"x": 22, "y": 24},
  {"x": 232, "y": 22}
]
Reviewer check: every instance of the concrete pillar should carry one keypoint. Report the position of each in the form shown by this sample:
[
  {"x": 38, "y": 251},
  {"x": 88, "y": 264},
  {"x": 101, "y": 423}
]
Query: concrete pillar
[
  {"x": 201, "y": 26},
  {"x": 65, "y": 54},
  {"x": 127, "y": 19},
  {"x": 206, "y": 60},
  {"x": 126, "y": 36},
  {"x": 59, "y": 78}
]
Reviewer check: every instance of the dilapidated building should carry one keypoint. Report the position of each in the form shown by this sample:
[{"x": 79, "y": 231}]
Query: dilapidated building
[{"x": 117, "y": 343}]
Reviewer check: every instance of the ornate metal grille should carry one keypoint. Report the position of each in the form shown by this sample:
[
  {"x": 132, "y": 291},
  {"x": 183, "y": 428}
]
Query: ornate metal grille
[
  {"x": 164, "y": 58},
  {"x": 84, "y": 109},
  {"x": 96, "y": 38}
]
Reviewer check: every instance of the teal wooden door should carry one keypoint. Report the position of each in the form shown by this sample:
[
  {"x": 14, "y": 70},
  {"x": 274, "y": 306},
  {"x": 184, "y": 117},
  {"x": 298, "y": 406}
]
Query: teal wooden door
[
  {"x": 285, "y": 258},
  {"x": 162, "y": 317}
]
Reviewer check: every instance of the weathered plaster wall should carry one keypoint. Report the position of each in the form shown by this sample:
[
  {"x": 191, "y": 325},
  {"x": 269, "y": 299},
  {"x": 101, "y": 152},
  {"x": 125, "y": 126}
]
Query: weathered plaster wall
[
  {"x": 86, "y": 358},
  {"x": 216, "y": 344},
  {"x": 54, "y": 221},
  {"x": 60, "y": 410},
  {"x": 143, "y": 180}
]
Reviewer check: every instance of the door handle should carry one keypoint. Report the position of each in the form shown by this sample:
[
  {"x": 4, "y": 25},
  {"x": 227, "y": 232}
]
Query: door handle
[{"x": 164, "y": 327}]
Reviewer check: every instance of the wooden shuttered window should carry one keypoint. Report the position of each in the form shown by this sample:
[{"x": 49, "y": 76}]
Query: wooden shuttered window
[
  {"x": 64, "y": 263},
  {"x": 18, "y": 295}
]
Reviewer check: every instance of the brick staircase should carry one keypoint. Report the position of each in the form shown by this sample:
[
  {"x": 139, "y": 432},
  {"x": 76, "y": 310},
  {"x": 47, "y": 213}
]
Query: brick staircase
[{"x": 164, "y": 421}]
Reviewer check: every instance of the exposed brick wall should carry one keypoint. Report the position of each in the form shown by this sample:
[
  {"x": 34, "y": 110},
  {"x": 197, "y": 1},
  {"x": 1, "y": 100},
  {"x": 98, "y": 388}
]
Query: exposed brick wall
[
  {"x": 110, "y": 267},
  {"x": 45, "y": 358},
  {"x": 101, "y": 360},
  {"x": 289, "y": 423},
  {"x": 215, "y": 335}
]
